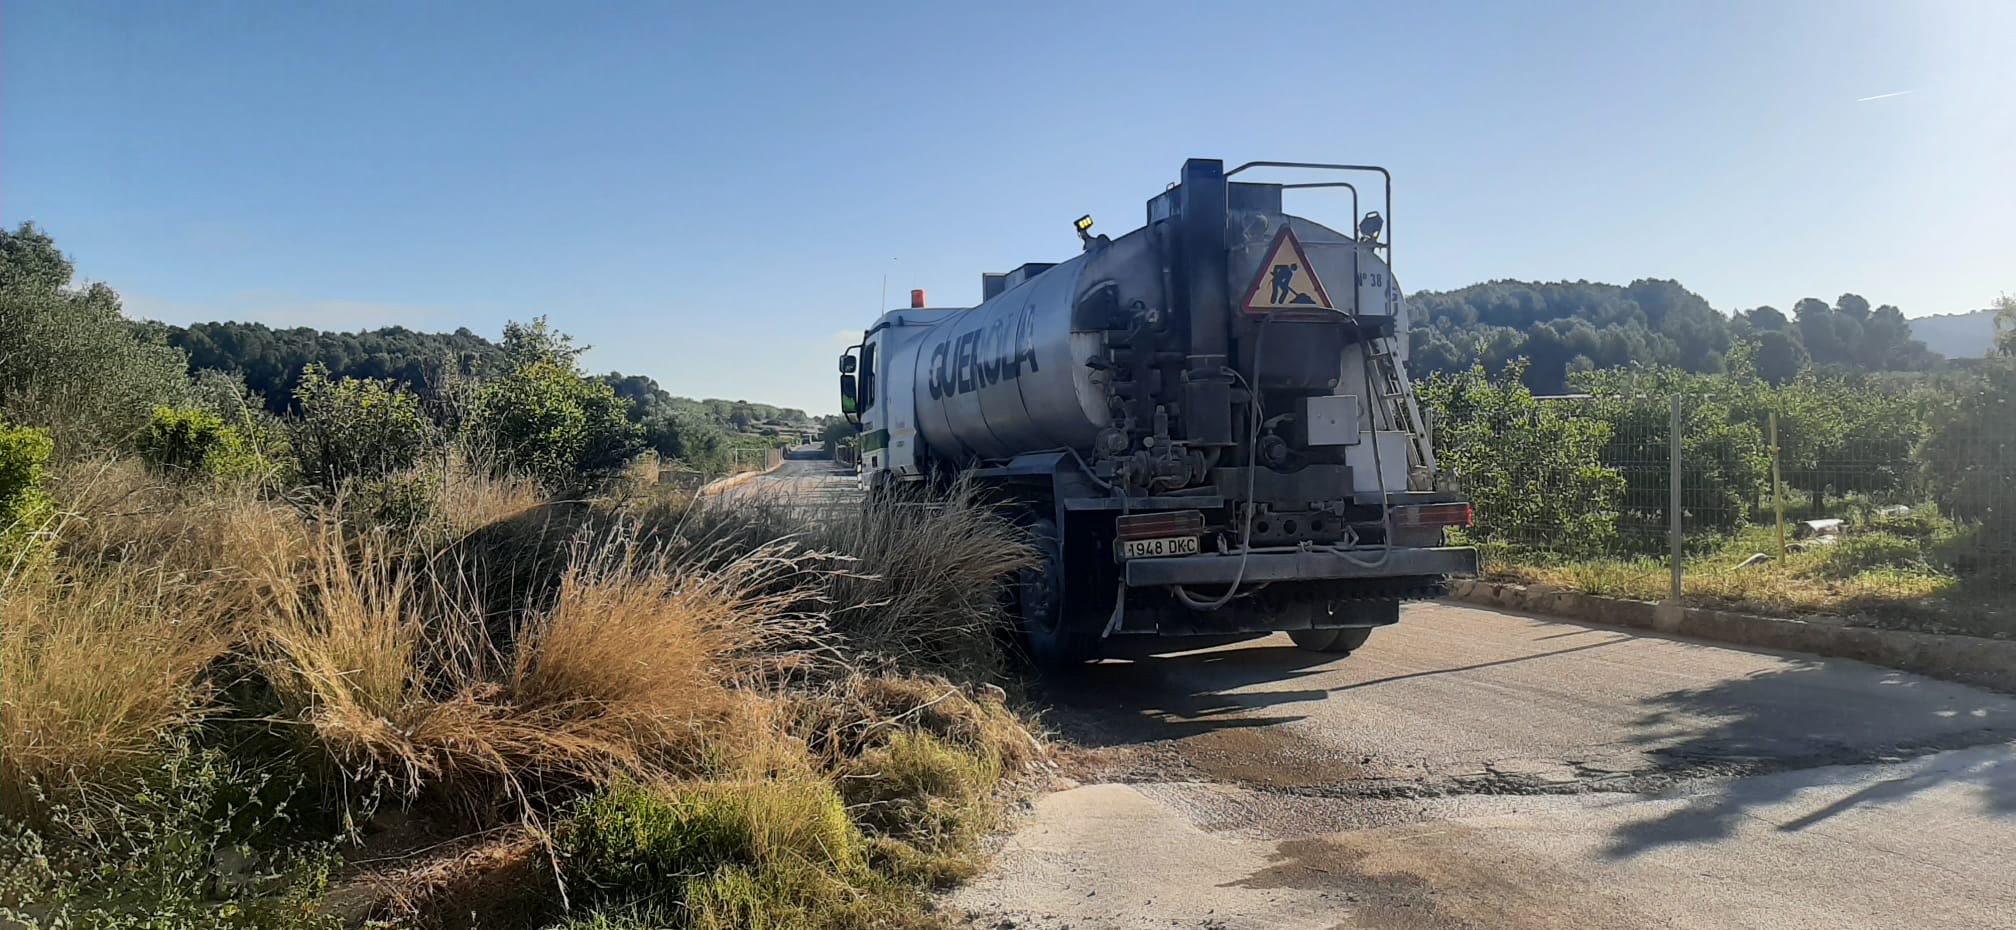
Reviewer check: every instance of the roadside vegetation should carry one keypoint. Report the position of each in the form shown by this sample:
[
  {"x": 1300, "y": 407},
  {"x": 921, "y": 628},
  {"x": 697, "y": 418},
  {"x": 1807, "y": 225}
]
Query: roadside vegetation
[
  {"x": 1913, "y": 481},
  {"x": 452, "y": 658}
]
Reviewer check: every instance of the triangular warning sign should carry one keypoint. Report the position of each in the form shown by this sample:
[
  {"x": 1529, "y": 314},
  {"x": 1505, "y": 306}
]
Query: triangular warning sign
[{"x": 1285, "y": 280}]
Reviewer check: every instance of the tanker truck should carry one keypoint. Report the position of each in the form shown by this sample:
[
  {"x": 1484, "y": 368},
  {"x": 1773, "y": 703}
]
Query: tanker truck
[{"x": 1204, "y": 425}]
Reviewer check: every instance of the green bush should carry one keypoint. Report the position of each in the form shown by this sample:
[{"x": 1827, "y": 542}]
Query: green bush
[
  {"x": 722, "y": 854},
  {"x": 355, "y": 428},
  {"x": 689, "y": 438},
  {"x": 930, "y": 797},
  {"x": 545, "y": 419},
  {"x": 25, "y": 508},
  {"x": 194, "y": 442},
  {"x": 1725, "y": 463}
]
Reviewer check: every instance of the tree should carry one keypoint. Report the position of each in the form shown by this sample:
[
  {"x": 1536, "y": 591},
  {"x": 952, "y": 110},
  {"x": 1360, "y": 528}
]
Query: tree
[
  {"x": 270, "y": 361},
  {"x": 1531, "y": 469},
  {"x": 687, "y": 437},
  {"x": 1970, "y": 456},
  {"x": 1779, "y": 356},
  {"x": 69, "y": 361},
  {"x": 355, "y": 428},
  {"x": 2005, "y": 326},
  {"x": 1723, "y": 458},
  {"x": 1844, "y": 435},
  {"x": 543, "y": 418}
]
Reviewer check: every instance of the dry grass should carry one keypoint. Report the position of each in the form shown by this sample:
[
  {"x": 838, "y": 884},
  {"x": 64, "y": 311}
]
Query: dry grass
[
  {"x": 916, "y": 582},
  {"x": 227, "y": 544},
  {"x": 106, "y": 649},
  {"x": 92, "y": 675},
  {"x": 497, "y": 657},
  {"x": 633, "y": 669}
]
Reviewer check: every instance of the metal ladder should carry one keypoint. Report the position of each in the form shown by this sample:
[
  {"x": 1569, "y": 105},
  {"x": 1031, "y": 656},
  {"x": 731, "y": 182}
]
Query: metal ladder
[{"x": 1389, "y": 378}]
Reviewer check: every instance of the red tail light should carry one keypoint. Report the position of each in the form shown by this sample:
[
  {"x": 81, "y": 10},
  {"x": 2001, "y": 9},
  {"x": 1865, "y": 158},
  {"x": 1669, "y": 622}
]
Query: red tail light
[
  {"x": 1413, "y": 515},
  {"x": 1167, "y": 523}
]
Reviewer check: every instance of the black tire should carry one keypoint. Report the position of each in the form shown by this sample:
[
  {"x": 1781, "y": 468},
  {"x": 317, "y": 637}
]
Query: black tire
[
  {"x": 1052, "y": 639},
  {"x": 1341, "y": 642}
]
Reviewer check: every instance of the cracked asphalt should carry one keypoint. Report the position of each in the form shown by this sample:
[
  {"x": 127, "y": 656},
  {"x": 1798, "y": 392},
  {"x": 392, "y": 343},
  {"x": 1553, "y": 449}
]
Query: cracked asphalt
[{"x": 1479, "y": 768}]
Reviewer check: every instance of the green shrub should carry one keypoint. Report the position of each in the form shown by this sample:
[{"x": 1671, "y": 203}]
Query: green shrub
[
  {"x": 355, "y": 428},
  {"x": 403, "y": 500},
  {"x": 1860, "y": 552},
  {"x": 25, "y": 508},
  {"x": 687, "y": 437},
  {"x": 545, "y": 419},
  {"x": 194, "y": 442},
  {"x": 764, "y": 854},
  {"x": 1970, "y": 461}
]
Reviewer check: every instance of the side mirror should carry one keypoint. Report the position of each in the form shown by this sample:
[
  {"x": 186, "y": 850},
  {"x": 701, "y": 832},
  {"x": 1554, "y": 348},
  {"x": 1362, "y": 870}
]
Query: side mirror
[
  {"x": 847, "y": 364},
  {"x": 847, "y": 387}
]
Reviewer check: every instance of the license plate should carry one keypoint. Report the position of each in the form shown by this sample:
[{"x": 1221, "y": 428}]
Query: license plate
[{"x": 1164, "y": 545}]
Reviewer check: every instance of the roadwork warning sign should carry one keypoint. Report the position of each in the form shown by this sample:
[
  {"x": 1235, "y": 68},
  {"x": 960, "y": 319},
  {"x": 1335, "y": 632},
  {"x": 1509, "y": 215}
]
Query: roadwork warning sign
[{"x": 1285, "y": 280}]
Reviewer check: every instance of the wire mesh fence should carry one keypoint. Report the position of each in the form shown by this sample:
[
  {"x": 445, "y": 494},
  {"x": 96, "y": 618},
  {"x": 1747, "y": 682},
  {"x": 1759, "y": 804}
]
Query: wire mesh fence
[{"x": 1892, "y": 502}]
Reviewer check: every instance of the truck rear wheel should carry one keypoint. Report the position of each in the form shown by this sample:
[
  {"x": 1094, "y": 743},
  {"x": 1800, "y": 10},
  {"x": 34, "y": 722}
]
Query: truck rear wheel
[
  {"x": 1342, "y": 642},
  {"x": 1053, "y": 641}
]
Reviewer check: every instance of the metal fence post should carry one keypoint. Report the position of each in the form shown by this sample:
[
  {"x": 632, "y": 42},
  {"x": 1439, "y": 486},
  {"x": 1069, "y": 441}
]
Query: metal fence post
[
  {"x": 1777, "y": 489},
  {"x": 1673, "y": 454}
]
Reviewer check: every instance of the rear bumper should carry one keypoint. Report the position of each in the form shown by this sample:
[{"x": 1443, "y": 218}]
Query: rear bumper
[{"x": 1300, "y": 565}]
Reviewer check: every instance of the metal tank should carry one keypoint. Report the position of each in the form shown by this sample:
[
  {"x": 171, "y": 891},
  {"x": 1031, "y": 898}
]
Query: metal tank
[
  {"x": 1022, "y": 371},
  {"x": 1008, "y": 376}
]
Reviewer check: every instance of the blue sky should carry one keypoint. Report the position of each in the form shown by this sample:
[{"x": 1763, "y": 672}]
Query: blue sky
[{"x": 713, "y": 194}]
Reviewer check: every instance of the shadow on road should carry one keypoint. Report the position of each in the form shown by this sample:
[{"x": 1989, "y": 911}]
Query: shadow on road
[
  {"x": 1122, "y": 702},
  {"x": 1813, "y": 715}
]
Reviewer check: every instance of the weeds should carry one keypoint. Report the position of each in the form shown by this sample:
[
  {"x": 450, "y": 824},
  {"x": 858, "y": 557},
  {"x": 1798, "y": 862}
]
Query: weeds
[
  {"x": 1902, "y": 571},
  {"x": 738, "y": 681},
  {"x": 172, "y": 854}
]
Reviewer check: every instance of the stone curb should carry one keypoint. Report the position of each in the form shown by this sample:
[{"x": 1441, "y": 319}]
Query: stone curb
[
  {"x": 735, "y": 480},
  {"x": 1970, "y": 660}
]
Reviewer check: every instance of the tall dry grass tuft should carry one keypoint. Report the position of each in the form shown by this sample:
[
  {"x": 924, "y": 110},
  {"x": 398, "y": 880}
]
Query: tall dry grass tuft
[
  {"x": 104, "y": 650},
  {"x": 633, "y": 668},
  {"x": 473, "y": 496},
  {"x": 92, "y": 675},
  {"x": 925, "y": 584},
  {"x": 224, "y": 544}
]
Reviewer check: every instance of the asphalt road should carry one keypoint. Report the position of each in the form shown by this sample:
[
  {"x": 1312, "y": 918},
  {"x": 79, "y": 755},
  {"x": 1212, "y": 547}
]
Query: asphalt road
[
  {"x": 1473, "y": 768},
  {"x": 805, "y": 479}
]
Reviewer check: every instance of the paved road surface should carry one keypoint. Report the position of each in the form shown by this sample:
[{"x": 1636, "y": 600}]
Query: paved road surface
[
  {"x": 1474, "y": 768},
  {"x": 806, "y": 479}
]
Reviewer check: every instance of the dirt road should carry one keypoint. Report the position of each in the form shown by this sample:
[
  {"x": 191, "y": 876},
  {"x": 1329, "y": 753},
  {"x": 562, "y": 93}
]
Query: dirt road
[{"x": 1474, "y": 768}]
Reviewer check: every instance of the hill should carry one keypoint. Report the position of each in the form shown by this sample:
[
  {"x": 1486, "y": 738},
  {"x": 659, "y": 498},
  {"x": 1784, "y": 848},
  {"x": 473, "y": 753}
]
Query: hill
[
  {"x": 1564, "y": 327},
  {"x": 1957, "y": 335},
  {"x": 270, "y": 362}
]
